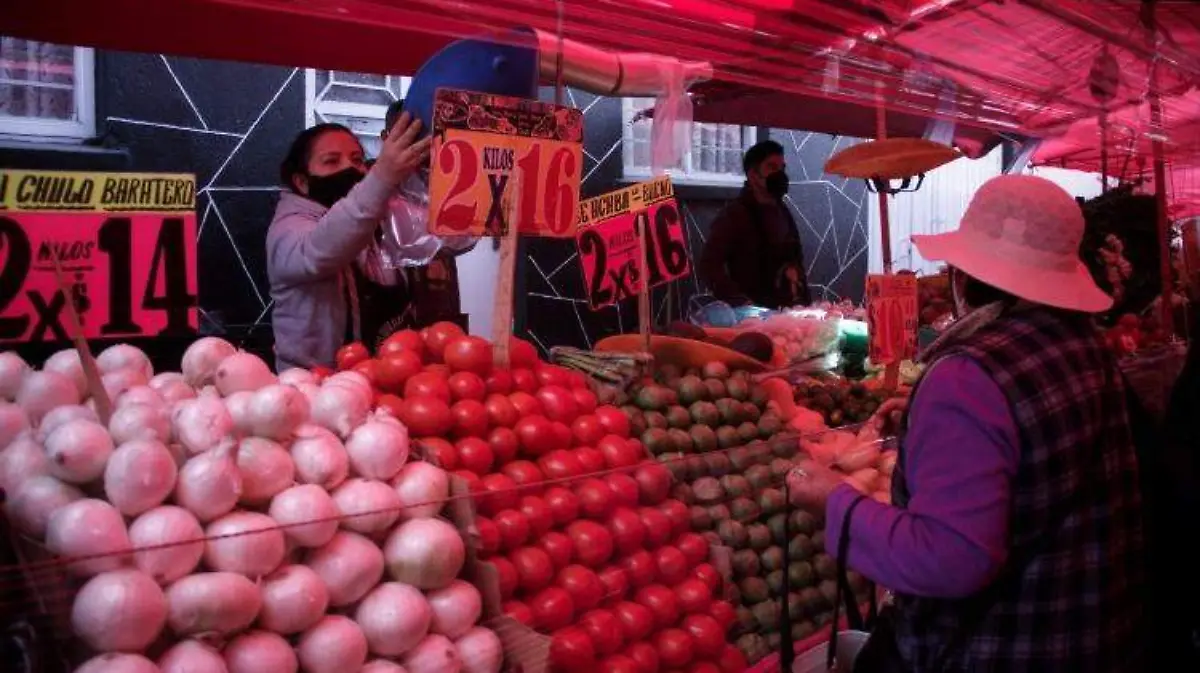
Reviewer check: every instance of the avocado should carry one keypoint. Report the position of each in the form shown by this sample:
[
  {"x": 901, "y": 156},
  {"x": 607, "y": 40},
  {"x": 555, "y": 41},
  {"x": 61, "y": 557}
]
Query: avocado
[
  {"x": 772, "y": 559},
  {"x": 654, "y": 398},
  {"x": 715, "y": 370},
  {"x": 678, "y": 417},
  {"x": 705, "y": 413},
  {"x": 755, "y": 345}
]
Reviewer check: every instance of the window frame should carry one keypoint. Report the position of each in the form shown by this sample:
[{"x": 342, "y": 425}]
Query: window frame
[
  {"x": 45, "y": 130},
  {"x": 633, "y": 172},
  {"x": 336, "y": 108}
]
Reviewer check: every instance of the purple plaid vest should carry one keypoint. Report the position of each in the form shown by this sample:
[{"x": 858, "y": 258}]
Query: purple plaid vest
[{"x": 1077, "y": 604}]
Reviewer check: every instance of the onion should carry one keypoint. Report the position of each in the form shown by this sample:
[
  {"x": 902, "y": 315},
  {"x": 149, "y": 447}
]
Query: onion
[
  {"x": 201, "y": 359},
  {"x": 67, "y": 363},
  {"x": 192, "y": 656},
  {"x": 164, "y": 380},
  {"x": 367, "y": 506},
  {"x": 378, "y": 449},
  {"x": 141, "y": 395},
  {"x": 266, "y": 469},
  {"x": 435, "y": 654},
  {"x": 352, "y": 379},
  {"x": 480, "y": 651},
  {"x": 426, "y": 553},
  {"x": 118, "y": 663},
  {"x": 124, "y": 356},
  {"x": 382, "y": 666},
  {"x": 212, "y": 602},
  {"x": 33, "y": 501},
  {"x": 319, "y": 456},
  {"x": 13, "y": 422},
  {"x": 119, "y": 611},
  {"x": 63, "y": 415},
  {"x": 12, "y": 373},
  {"x": 244, "y": 542},
  {"x": 455, "y": 609},
  {"x": 307, "y": 515},
  {"x": 277, "y": 410},
  {"x": 242, "y": 371},
  {"x": 210, "y": 484},
  {"x": 293, "y": 599},
  {"x": 139, "y": 476},
  {"x": 259, "y": 651},
  {"x": 118, "y": 382},
  {"x": 78, "y": 451},
  {"x": 297, "y": 375},
  {"x": 167, "y": 542},
  {"x": 238, "y": 405},
  {"x": 310, "y": 391},
  {"x": 91, "y": 529},
  {"x": 349, "y": 564},
  {"x": 140, "y": 421},
  {"x": 24, "y": 459},
  {"x": 340, "y": 408},
  {"x": 176, "y": 391},
  {"x": 334, "y": 645},
  {"x": 41, "y": 392},
  {"x": 423, "y": 489},
  {"x": 202, "y": 424},
  {"x": 394, "y": 617}
]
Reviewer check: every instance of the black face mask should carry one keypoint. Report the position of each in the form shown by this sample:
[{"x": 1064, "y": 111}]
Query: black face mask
[
  {"x": 329, "y": 189},
  {"x": 777, "y": 184}
]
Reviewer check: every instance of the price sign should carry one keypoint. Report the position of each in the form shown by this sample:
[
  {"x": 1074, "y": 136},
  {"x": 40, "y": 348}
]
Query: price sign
[
  {"x": 126, "y": 244},
  {"x": 481, "y": 143},
  {"x": 892, "y": 317},
  {"x": 609, "y": 226}
]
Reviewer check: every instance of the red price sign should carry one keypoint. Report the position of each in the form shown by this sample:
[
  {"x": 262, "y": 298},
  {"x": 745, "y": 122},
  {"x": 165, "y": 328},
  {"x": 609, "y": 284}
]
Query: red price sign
[
  {"x": 892, "y": 317},
  {"x": 496, "y": 156},
  {"x": 126, "y": 245},
  {"x": 609, "y": 226}
]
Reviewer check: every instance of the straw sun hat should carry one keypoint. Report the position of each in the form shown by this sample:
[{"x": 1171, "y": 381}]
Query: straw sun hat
[{"x": 1021, "y": 234}]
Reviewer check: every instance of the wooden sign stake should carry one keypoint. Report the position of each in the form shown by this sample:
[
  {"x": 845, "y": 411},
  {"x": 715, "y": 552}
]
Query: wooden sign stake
[
  {"x": 502, "y": 308},
  {"x": 891, "y": 376},
  {"x": 645, "y": 321},
  {"x": 90, "y": 371}
]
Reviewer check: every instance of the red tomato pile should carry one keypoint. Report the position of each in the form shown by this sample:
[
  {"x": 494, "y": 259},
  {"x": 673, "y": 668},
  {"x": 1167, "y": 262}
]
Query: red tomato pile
[{"x": 573, "y": 515}]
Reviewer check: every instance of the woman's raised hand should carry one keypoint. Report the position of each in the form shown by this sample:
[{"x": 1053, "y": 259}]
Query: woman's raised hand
[{"x": 400, "y": 155}]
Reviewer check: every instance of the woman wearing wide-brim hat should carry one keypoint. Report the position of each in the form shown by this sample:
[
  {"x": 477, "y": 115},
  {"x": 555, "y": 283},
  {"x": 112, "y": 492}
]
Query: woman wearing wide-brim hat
[{"x": 1014, "y": 541}]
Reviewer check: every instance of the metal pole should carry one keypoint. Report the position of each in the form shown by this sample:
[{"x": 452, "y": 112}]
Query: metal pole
[{"x": 1160, "y": 177}]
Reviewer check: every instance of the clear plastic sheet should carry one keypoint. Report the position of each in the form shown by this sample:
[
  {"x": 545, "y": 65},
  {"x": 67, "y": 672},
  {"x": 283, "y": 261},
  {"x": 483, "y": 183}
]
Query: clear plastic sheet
[{"x": 404, "y": 238}]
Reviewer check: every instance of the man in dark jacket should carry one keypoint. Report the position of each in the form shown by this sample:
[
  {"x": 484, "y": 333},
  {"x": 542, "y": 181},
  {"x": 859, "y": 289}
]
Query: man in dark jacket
[{"x": 753, "y": 254}]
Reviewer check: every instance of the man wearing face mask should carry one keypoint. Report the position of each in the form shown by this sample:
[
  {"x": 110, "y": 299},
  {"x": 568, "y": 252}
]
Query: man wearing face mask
[{"x": 753, "y": 254}]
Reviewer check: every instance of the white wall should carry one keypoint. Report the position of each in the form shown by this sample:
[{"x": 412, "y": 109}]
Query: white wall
[{"x": 477, "y": 285}]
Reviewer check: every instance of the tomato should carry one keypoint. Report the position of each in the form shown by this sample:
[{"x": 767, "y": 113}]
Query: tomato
[
  {"x": 703, "y": 667},
  {"x": 571, "y": 650},
  {"x": 593, "y": 543},
  {"x": 654, "y": 480},
  {"x": 370, "y": 370},
  {"x": 506, "y": 576},
  {"x": 524, "y": 474},
  {"x": 585, "y": 400},
  {"x": 732, "y": 660},
  {"x": 562, "y": 434},
  {"x": 627, "y": 530},
  {"x": 681, "y": 520},
  {"x": 396, "y": 369},
  {"x": 504, "y": 444},
  {"x": 658, "y": 527},
  {"x": 595, "y": 498},
  {"x": 500, "y": 411},
  {"x": 439, "y": 452},
  {"x": 472, "y": 480},
  {"x": 499, "y": 382},
  {"x": 604, "y": 629},
  {"x": 560, "y": 464},
  {"x": 644, "y": 655},
  {"x": 586, "y": 430},
  {"x": 693, "y": 595},
  {"x": 551, "y": 375},
  {"x": 564, "y": 506},
  {"x": 470, "y": 418},
  {"x": 536, "y": 435},
  {"x": 617, "y": 452},
  {"x": 624, "y": 489},
  {"x": 693, "y": 546},
  {"x": 583, "y": 585},
  {"x": 619, "y": 663},
  {"x": 427, "y": 384},
  {"x": 613, "y": 420},
  {"x": 672, "y": 565},
  {"x": 437, "y": 336},
  {"x": 469, "y": 354},
  {"x": 405, "y": 340},
  {"x": 519, "y": 611},
  {"x": 535, "y": 571},
  {"x": 640, "y": 568},
  {"x": 513, "y": 527},
  {"x": 350, "y": 355},
  {"x": 521, "y": 353},
  {"x": 467, "y": 386},
  {"x": 538, "y": 514},
  {"x": 391, "y": 405},
  {"x": 552, "y": 609},
  {"x": 674, "y": 647},
  {"x": 592, "y": 460},
  {"x": 722, "y": 611},
  {"x": 708, "y": 574},
  {"x": 426, "y": 416},
  {"x": 559, "y": 547},
  {"x": 708, "y": 638},
  {"x": 498, "y": 492},
  {"x": 616, "y": 585},
  {"x": 659, "y": 600},
  {"x": 489, "y": 536},
  {"x": 558, "y": 403},
  {"x": 524, "y": 381},
  {"x": 637, "y": 622},
  {"x": 475, "y": 455}
]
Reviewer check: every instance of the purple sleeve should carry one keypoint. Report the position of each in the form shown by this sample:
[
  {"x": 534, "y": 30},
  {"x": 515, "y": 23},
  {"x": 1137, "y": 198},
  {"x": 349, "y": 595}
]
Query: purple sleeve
[{"x": 963, "y": 452}]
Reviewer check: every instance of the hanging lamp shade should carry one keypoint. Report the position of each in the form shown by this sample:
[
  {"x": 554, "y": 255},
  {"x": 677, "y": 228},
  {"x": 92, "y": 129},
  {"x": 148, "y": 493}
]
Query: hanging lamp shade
[{"x": 890, "y": 159}]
